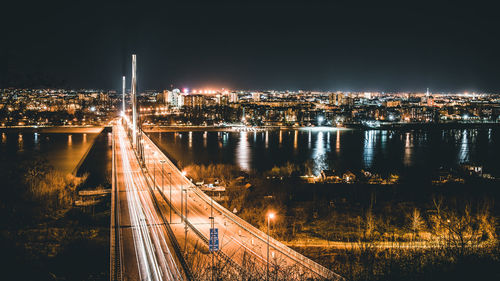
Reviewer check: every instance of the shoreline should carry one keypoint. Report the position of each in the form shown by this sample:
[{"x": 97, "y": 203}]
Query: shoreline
[
  {"x": 237, "y": 128},
  {"x": 57, "y": 129},
  {"x": 399, "y": 126}
]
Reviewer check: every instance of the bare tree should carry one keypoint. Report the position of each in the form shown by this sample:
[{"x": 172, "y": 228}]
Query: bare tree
[{"x": 416, "y": 222}]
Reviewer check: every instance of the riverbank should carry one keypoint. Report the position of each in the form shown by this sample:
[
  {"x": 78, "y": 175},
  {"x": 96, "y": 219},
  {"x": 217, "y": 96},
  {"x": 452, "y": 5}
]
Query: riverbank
[
  {"x": 57, "y": 129},
  {"x": 425, "y": 126}
]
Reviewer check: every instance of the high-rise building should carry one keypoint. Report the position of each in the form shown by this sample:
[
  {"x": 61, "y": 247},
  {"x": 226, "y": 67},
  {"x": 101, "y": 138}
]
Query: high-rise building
[
  {"x": 175, "y": 99},
  {"x": 233, "y": 97},
  {"x": 194, "y": 101},
  {"x": 337, "y": 99},
  {"x": 256, "y": 96}
]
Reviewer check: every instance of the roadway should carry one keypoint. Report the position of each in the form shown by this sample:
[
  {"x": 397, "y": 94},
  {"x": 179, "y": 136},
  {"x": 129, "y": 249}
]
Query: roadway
[{"x": 145, "y": 250}]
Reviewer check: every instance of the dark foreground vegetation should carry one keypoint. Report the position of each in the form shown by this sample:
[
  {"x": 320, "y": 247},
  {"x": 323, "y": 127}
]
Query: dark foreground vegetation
[
  {"x": 410, "y": 231},
  {"x": 398, "y": 263},
  {"x": 43, "y": 235}
]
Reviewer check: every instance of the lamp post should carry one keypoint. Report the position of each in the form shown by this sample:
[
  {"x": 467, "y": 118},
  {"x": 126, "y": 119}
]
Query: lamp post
[
  {"x": 162, "y": 176},
  {"x": 182, "y": 204},
  {"x": 171, "y": 205},
  {"x": 270, "y": 216},
  {"x": 154, "y": 169},
  {"x": 144, "y": 156},
  {"x": 185, "y": 219}
]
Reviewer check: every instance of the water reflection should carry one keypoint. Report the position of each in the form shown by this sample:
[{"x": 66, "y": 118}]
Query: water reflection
[
  {"x": 309, "y": 140},
  {"x": 295, "y": 139},
  {"x": 243, "y": 152},
  {"x": 267, "y": 139},
  {"x": 369, "y": 148},
  {"x": 319, "y": 155},
  {"x": 205, "y": 134},
  {"x": 407, "y": 154},
  {"x": 383, "y": 141},
  {"x": 190, "y": 139},
  {"x": 20, "y": 142},
  {"x": 85, "y": 138},
  {"x": 4, "y": 138},
  {"x": 70, "y": 140},
  {"x": 337, "y": 142},
  {"x": 225, "y": 138},
  {"x": 463, "y": 154},
  {"x": 36, "y": 141}
]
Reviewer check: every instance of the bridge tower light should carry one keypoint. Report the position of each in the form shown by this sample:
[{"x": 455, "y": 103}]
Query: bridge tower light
[
  {"x": 123, "y": 96},
  {"x": 134, "y": 100}
]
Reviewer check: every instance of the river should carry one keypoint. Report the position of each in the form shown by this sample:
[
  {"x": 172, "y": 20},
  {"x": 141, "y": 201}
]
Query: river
[{"x": 414, "y": 152}]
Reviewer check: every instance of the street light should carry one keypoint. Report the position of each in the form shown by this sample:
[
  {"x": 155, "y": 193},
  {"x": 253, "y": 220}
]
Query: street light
[
  {"x": 183, "y": 190},
  {"x": 270, "y": 216},
  {"x": 185, "y": 218},
  {"x": 154, "y": 170},
  {"x": 171, "y": 205},
  {"x": 162, "y": 181},
  {"x": 144, "y": 155}
]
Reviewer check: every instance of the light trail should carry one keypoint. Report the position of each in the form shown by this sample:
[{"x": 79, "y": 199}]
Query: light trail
[{"x": 154, "y": 259}]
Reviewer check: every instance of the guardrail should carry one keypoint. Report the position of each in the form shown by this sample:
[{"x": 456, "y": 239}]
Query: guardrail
[{"x": 278, "y": 246}]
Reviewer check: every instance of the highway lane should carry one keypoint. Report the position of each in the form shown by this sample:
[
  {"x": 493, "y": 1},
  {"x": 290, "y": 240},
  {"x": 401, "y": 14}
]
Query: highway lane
[
  {"x": 146, "y": 251},
  {"x": 238, "y": 239}
]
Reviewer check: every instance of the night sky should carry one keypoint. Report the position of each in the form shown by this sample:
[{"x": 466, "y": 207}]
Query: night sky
[{"x": 284, "y": 45}]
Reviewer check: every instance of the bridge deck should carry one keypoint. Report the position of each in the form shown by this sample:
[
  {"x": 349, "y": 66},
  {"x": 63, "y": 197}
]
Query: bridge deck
[{"x": 145, "y": 250}]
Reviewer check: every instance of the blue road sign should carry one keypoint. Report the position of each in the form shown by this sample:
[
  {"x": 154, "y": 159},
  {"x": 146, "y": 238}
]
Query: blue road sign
[{"x": 213, "y": 245}]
